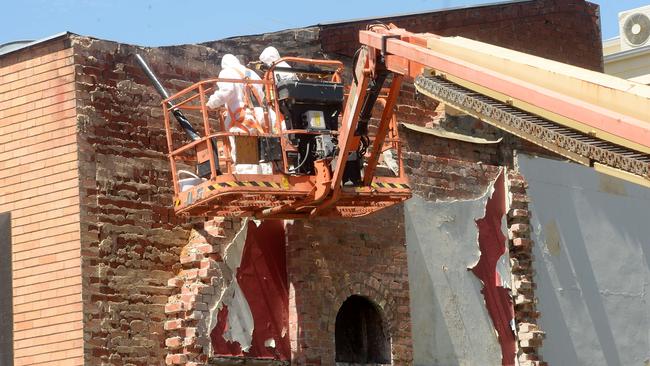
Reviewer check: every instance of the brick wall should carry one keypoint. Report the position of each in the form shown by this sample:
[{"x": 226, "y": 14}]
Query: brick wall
[
  {"x": 330, "y": 260},
  {"x": 131, "y": 238},
  {"x": 40, "y": 186},
  {"x": 444, "y": 169},
  {"x": 563, "y": 30},
  {"x": 100, "y": 187},
  {"x": 529, "y": 335}
]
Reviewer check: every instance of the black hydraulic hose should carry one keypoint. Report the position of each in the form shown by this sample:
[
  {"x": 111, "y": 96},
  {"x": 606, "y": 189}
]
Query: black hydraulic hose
[
  {"x": 303, "y": 160},
  {"x": 180, "y": 117}
]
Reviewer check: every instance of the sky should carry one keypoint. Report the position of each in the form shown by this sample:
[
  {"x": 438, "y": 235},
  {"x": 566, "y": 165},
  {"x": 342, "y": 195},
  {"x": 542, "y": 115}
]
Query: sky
[{"x": 166, "y": 22}]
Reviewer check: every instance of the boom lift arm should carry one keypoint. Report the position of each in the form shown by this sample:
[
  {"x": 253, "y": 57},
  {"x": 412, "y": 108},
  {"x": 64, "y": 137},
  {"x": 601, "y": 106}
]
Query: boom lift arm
[
  {"x": 322, "y": 168},
  {"x": 593, "y": 119}
]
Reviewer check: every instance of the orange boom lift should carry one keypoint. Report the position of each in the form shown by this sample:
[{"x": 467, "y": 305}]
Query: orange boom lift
[{"x": 321, "y": 160}]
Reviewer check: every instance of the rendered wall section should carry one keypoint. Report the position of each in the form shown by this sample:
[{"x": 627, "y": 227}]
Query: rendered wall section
[
  {"x": 451, "y": 322},
  {"x": 592, "y": 261}
]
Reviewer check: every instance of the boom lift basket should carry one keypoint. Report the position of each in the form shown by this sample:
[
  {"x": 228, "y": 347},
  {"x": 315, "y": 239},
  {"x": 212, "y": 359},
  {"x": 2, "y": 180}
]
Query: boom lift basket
[{"x": 289, "y": 167}]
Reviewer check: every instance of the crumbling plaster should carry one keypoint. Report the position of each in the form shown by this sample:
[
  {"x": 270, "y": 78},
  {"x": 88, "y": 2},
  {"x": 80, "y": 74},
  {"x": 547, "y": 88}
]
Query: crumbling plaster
[
  {"x": 442, "y": 242},
  {"x": 592, "y": 262},
  {"x": 240, "y": 318}
]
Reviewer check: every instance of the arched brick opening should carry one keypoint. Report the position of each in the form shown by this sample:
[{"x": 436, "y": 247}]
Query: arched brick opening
[{"x": 361, "y": 334}]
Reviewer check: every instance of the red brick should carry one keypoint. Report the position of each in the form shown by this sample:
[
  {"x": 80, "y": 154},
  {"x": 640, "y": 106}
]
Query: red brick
[{"x": 176, "y": 359}]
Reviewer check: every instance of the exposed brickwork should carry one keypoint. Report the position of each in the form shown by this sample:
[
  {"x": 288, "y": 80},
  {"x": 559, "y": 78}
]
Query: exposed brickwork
[
  {"x": 200, "y": 278},
  {"x": 39, "y": 185},
  {"x": 329, "y": 260},
  {"x": 563, "y": 30},
  {"x": 131, "y": 238},
  {"x": 199, "y": 287},
  {"x": 529, "y": 336},
  {"x": 98, "y": 187},
  {"x": 444, "y": 169}
]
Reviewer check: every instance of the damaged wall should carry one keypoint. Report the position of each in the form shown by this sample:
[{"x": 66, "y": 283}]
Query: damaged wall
[
  {"x": 131, "y": 242},
  {"x": 439, "y": 169},
  {"x": 592, "y": 264},
  {"x": 454, "y": 328},
  {"x": 231, "y": 296},
  {"x": 330, "y": 260},
  {"x": 257, "y": 261},
  {"x": 131, "y": 239}
]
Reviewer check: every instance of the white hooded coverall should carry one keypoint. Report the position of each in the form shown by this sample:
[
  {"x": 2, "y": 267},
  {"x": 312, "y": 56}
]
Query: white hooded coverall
[
  {"x": 232, "y": 95},
  {"x": 269, "y": 56}
]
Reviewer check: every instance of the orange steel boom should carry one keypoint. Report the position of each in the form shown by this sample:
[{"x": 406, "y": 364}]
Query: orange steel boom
[
  {"x": 344, "y": 182},
  {"x": 594, "y": 119}
]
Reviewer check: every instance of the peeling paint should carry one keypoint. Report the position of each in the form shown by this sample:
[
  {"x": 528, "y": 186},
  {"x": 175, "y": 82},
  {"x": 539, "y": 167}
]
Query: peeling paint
[
  {"x": 493, "y": 272},
  {"x": 262, "y": 277},
  {"x": 503, "y": 268},
  {"x": 251, "y": 315},
  {"x": 239, "y": 320},
  {"x": 442, "y": 243}
]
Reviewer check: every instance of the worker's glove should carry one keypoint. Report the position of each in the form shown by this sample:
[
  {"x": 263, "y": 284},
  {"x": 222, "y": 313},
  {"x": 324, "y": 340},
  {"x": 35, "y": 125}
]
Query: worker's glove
[{"x": 214, "y": 101}]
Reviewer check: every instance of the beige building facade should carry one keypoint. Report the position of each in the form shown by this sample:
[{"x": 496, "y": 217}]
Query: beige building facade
[{"x": 628, "y": 55}]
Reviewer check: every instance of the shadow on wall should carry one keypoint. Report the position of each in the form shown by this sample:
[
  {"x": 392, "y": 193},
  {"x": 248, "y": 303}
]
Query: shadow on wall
[
  {"x": 592, "y": 260},
  {"x": 437, "y": 331}
]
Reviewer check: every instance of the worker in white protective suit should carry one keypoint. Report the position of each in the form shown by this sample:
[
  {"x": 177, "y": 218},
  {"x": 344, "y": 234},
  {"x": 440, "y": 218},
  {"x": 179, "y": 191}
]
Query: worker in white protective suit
[
  {"x": 234, "y": 96},
  {"x": 269, "y": 56},
  {"x": 243, "y": 104}
]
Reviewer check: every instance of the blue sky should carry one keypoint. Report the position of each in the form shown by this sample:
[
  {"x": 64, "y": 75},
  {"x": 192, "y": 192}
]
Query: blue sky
[{"x": 165, "y": 22}]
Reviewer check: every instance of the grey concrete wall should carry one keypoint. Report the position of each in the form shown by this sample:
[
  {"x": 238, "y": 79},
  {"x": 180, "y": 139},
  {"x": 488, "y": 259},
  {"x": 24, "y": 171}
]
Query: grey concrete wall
[
  {"x": 592, "y": 261},
  {"x": 450, "y": 322}
]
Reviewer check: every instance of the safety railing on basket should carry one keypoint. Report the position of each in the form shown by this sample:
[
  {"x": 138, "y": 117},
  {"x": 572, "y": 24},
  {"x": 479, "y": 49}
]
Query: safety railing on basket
[{"x": 216, "y": 149}]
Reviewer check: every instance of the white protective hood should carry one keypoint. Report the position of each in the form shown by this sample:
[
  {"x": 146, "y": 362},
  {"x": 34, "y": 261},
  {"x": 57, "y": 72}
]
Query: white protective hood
[
  {"x": 269, "y": 55},
  {"x": 230, "y": 61}
]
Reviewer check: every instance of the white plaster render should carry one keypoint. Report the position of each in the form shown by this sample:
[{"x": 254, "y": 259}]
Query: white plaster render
[
  {"x": 240, "y": 317},
  {"x": 503, "y": 264},
  {"x": 442, "y": 244},
  {"x": 592, "y": 263}
]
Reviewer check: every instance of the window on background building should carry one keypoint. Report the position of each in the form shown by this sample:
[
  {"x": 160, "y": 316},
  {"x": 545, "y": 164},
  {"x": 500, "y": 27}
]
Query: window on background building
[
  {"x": 6, "y": 294},
  {"x": 360, "y": 335}
]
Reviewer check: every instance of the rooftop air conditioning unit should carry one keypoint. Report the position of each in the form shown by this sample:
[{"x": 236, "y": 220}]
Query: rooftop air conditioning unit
[{"x": 634, "y": 26}]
